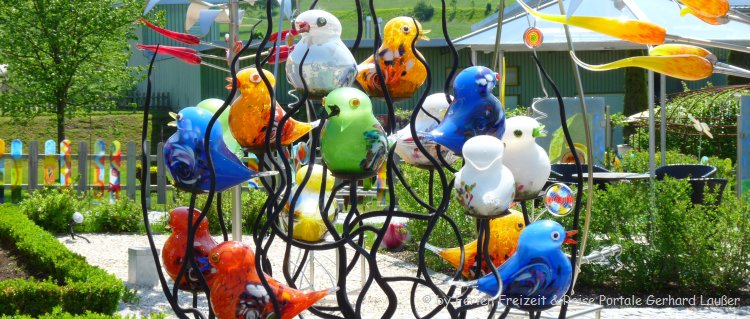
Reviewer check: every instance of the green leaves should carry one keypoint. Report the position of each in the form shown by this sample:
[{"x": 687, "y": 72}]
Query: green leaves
[{"x": 65, "y": 55}]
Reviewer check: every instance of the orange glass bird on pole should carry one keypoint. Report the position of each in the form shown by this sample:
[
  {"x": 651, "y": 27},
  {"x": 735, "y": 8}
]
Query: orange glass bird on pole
[
  {"x": 403, "y": 73},
  {"x": 504, "y": 232},
  {"x": 173, "y": 252},
  {"x": 248, "y": 117},
  {"x": 237, "y": 292}
]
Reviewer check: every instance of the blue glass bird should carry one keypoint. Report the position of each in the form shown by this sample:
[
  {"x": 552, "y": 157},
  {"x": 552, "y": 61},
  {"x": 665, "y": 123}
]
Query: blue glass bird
[
  {"x": 185, "y": 155},
  {"x": 474, "y": 111},
  {"x": 537, "y": 276}
]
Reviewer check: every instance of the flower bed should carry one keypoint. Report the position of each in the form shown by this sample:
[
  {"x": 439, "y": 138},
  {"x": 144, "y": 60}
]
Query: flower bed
[{"x": 74, "y": 285}]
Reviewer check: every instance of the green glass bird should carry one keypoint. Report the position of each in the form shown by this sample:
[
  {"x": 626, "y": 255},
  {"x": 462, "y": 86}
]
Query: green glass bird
[{"x": 353, "y": 142}]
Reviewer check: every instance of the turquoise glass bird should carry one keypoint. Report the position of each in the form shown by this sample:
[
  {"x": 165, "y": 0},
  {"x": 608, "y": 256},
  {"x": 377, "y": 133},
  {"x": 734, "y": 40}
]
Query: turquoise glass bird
[
  {"x": 474, "y": 111},
  {"x": 537, "y": 276},
  {"x": 185, "y": 155}
]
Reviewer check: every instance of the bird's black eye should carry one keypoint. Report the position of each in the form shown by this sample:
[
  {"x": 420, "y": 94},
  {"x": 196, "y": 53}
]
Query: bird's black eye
[
  {"x": 406, "y": 29},
  {"x": 321, "y": 21},
  {"x": 517, "y": 133},
  {"x": 555, "y": 235}
]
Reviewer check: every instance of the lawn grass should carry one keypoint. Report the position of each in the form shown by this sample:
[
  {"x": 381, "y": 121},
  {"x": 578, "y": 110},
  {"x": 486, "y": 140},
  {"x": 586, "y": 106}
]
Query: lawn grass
[{"x": 121, "y": 126}]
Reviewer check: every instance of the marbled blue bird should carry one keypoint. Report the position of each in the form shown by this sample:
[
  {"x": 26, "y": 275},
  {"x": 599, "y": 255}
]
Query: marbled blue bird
[
  {"x": 185, "y": 155},
  {"x": 538, "y": 275},
  {"x": 474, "y": 111}
]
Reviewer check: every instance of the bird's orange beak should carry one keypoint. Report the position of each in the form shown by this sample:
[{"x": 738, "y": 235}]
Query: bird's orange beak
[
  {"x": 568, "y": 239},
  {"x": 229, "y": 85},
  {"x": 302, "y": 26}
]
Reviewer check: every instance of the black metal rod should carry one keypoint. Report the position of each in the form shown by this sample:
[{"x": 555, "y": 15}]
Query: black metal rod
[{"x": 579, "y": 179}]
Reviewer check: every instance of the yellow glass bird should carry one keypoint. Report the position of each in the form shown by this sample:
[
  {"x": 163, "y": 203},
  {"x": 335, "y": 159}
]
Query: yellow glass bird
[
  {"x": 504, "y": 232},
  {"x": 403, "y": 73},
  {"x": 635, "y": 31},
  {"x": 248, "y": 117},
  {"x": 308, "y": 223}
]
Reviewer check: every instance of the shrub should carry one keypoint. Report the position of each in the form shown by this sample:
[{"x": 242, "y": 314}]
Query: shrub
[
  {"x": 638, "y": 162},
  {"x": 423, "y": 11},
  {"x": 84, "y": 287},
  {"x": 123, "y": 215},
  {"x": 58, "y": 314},
  {"x": 28, "y": 296},
  {"x": 442, "y": 235},
  {"x": 670, "y": 245},
  {"x": 51, "y": 209}
]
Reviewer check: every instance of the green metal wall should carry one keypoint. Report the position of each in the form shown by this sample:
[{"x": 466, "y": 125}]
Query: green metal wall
[
  {"x": 213, "y": 81},
  {"x": 558, "y": 66},
  {"x": 175, "y": 17}
]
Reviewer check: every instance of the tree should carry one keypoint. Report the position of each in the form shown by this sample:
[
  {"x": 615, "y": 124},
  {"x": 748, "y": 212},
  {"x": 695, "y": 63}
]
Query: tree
[
  {"x": 423, "y": 11},
  {"x": 65, "y": 56}
]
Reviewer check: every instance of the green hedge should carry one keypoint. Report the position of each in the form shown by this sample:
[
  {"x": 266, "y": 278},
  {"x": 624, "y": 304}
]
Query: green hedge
[
  {"x": 74, "y": 285},
  {"x": 671, "y": 245},
  {"x": 58, "y": 314}
]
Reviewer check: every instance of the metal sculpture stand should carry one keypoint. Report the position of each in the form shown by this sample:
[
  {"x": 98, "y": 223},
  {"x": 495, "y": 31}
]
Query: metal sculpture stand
[{"x": 354, "y": 227}]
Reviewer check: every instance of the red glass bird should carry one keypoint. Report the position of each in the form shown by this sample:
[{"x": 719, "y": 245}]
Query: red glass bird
[
  {"x": 173, "y": 252},
  {"x": 237, "y": 293}
]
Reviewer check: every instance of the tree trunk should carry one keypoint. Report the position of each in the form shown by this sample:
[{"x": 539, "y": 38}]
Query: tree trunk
[{"x": 60, "y": 121}]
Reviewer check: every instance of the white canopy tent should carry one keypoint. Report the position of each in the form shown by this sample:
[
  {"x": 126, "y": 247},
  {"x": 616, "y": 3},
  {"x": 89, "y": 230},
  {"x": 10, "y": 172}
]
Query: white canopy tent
[
  {"x": 662, "y": 12},
  {"x": 686, "y": 29}
]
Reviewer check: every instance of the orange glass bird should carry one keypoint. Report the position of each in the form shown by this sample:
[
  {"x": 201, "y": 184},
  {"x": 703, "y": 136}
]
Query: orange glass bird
[
  {"x": 710, "y": 20},
  {"x": 504, "y": 232},
  {"x": 248, "y": 117},
  {"x": 707, "y": 8},
  {"x": 403, "y": 73},
  {"x": 173, "y": 252},
  {"x": 237, "y": 293}
]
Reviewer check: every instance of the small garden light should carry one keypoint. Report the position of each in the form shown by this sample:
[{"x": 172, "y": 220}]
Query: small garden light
[{"x": 77, "y": 219}]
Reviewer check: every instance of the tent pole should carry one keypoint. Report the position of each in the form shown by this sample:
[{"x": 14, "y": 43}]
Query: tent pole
[
  {"x": 497, "y": 57},
  {"x": 651, "y": 127},
  {"x": 708, "y": 43},
  {"x": 663, "y": 131},
  {"x": 234, "y": 33},
  {"x": 589, "y": 160}
]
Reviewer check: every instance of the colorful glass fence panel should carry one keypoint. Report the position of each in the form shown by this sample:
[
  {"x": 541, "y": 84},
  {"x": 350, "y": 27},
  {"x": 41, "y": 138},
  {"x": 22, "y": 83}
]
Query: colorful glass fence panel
[
  {"x": 99, "y": 167},
  {"x": 115, "y": 158},
  {"x": 16, "y": 150},
  {"x": 2, "y": 171},
  {"x": 49, "y": 163},
  {"x": 65, "y": 162}
]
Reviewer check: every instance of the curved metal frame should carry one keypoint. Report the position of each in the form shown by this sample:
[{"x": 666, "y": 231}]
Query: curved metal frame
[{"x": 354, "y": 229}]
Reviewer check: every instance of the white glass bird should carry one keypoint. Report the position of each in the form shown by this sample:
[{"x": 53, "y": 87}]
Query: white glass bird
[
  {"x": 329, "y": 64},
  {"x": 485, "y": 186},
  {"x": 436, "y": 105},
  {"x": 527, "y": 160}
]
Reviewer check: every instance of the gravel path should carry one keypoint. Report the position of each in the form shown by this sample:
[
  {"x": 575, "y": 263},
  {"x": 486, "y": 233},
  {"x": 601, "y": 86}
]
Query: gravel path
[{"x": 110, "y": 252}]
